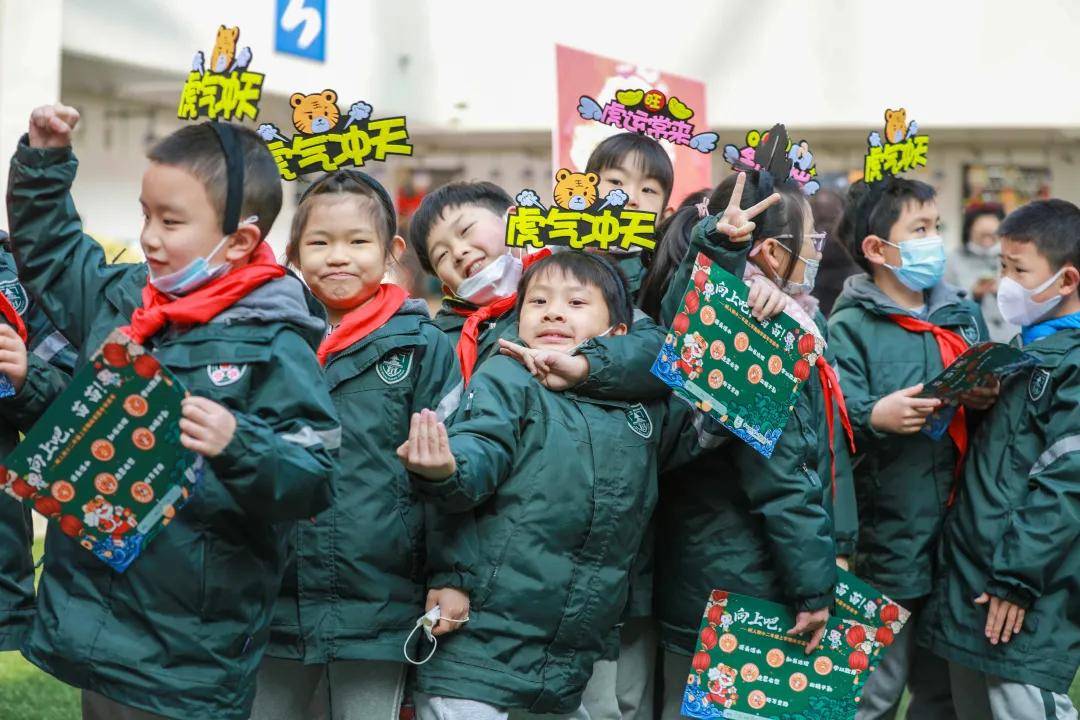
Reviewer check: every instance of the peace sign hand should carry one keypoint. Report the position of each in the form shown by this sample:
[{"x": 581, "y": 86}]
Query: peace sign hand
[{"x": 737, "y": 223}]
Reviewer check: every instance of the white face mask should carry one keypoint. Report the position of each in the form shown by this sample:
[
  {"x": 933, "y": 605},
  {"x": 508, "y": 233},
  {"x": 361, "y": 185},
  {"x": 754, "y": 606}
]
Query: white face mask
[
  {"x": 985, "y": 250},
  {"x": 427, "y": 621},
  {"x": 498, "y": 280},
  {"x": 1016, "y": 303}
]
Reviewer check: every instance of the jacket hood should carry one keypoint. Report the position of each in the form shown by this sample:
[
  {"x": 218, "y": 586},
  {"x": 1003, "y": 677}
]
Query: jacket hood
[{"x": 861, "y": 290}]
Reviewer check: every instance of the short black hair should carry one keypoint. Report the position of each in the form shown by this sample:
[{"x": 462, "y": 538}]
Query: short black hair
[
  {"x": 651, "y": 157},
  {"x": 197, "y": 149},
  {"x": 1053, "y": 225},
  {"x": 974, "y": 212},
  {"x": 874, "y": 209},
  {"x": 589, "y": 269},
  {"x": 485, "y": 194}
]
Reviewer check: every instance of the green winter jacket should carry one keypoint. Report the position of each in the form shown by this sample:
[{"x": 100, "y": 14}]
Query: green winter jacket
[
  {"x": 1014, "y": 531},
  {"x": 902, "y": 481},
  {"x": 358, "y": 581},
  {"x": 182, "y": 631},
  {"x": 552, "y": 541},
  {"x": 839, "y": 495},
  {"x": 734, "y": 519}
]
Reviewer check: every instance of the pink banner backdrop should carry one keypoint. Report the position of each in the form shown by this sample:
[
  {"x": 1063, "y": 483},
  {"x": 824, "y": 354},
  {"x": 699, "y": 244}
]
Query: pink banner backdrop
[{"x": 573, "y": 138}]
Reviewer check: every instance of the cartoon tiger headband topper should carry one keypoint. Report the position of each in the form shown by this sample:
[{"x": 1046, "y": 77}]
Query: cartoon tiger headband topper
[
  {"x": 579, "y": 218},
  {"x": 774, "y": 152},
  {"x": 327, "y": 140},
  {"x": 224, "y": 88},
  {"x": 649, "y": 112},
  {"x": 901, "y": 149}
]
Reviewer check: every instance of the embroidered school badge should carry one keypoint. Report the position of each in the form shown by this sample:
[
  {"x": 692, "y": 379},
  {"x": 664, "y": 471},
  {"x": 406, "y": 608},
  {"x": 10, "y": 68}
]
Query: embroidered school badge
[
  {"x": 639, "y": 421},
  {"x": 1040, "y": 379},
  {"x": 225, "y": 373},
  {"x": 970, "y": 332},
  {"x": 395, "y": 367},
  {"x": 16, "y": 295}
]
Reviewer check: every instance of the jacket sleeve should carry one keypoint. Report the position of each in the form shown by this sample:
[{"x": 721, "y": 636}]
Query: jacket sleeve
[
  {"x": 43, "y": 385},
  {"x": 1044, "y": 525},
  {"x": 718, "y": 248},
  {"x": 59, "y": 264},
  {"x": 687, "y": 434},
  {"x": 280, "y": 461},
  {"x": 846, "y": 343},
  {"x": 620, "y": 366},
  {"x": 450, "y": 558},
  {"x": 484, "y": 437},
  {"x": 845, "y": 512},
  {"x": 787, "y": 496}
]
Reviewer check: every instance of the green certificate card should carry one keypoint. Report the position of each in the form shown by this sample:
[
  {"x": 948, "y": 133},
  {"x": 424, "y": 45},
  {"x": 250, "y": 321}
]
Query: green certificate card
[
  {"x": 105, "y": 462},
  {"x": 745, "y": 373}
]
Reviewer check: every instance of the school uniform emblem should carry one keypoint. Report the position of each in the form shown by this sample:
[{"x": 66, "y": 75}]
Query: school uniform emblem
[
  {"x": 225, "y": 373},
  {"x": 970, "y": 332},
  {"x": 639, "y": 421},
  {"x": 1040, "y": 379},
  {"x": 395, "y": 367},
  {"x": 16, "y": 295}
]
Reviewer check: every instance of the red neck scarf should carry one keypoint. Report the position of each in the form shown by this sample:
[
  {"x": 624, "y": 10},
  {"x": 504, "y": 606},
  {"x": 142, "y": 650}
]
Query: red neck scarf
[
  {"x": 830, "y": 389},
  {"x": 362, "y": 321},
  {"x": 13, "y": 318},
  {"x": 206, "y": 303},
  {"x": 950, "y": 345},
  {"x": 470, "y": 333}
]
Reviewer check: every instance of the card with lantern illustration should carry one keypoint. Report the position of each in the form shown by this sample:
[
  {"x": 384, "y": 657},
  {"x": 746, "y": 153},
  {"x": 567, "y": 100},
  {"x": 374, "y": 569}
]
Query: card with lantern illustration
[
  {"x": 579, "y": 218},
  {"x": 324, "y": 138},
  {"x": 745, "y": 665},
  {"x": 104, "y": 461},
  {"x": 745, "y": 373},
  {"x": 976, "y": 367},
  {"x": 861, "y": 602}
]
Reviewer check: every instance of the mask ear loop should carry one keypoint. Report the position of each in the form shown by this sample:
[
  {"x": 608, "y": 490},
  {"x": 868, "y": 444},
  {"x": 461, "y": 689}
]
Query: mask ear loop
[{"x": 427, "y": 621}]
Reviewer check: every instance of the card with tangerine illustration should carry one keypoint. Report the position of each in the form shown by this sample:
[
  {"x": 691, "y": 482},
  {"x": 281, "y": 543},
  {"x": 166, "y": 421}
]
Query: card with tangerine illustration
[
  {"x": 745, "y": 373},
  {"x": 746, "y": 666},
  {"x": 105, "y": 461}
]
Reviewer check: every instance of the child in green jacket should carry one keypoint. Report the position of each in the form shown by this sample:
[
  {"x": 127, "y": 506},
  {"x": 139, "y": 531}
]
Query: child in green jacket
[
  {"x": 181, "y": 632},
  {"x": 560, "y": 488},
  {"x": 769, "y": 534},
  {"x": 1005, "y": 607},
  {"x": 360, "y": 576},
  {"x": 893, "y": 329}
]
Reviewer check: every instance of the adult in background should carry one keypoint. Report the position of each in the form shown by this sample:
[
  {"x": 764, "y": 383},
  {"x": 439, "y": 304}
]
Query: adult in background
[{"x": 975, "y": 265}]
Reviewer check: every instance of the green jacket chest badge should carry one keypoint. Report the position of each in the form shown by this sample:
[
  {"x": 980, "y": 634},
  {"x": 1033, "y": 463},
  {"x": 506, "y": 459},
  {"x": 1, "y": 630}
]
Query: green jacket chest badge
[
  {"x": 395, "y": 367},
  {"x": 970, "y": 332},
  {"x": 16, "y": 295},
  {"x": 639, "y": 421},
  {"x": 225, "y": 373},
  {"x": 1040, "y": 378}
]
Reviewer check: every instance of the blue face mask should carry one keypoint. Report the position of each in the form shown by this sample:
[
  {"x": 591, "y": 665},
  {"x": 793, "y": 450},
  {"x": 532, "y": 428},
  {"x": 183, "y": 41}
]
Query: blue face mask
[
  {"x": 196, "y": 273},
  {"x": 922, "y": 262}
]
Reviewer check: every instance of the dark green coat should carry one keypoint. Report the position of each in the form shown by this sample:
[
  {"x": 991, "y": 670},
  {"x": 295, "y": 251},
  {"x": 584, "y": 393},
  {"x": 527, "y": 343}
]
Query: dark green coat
[
  {"x": 358, "y": 581},
  {"x": 733, "y": 519},
  {"x": 553, "y": 541},
  {"x": 1014, "y": 530},
  {"x": 49, "y": 361},
  {"x": 182, "y": 631},
  {"x": 902, "y": 481}
]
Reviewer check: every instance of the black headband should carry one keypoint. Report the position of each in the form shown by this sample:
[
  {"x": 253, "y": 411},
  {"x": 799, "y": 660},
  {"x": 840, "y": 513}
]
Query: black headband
[
  {"x": 364, "y": 179},
  {"x": 234, "y": 173}
]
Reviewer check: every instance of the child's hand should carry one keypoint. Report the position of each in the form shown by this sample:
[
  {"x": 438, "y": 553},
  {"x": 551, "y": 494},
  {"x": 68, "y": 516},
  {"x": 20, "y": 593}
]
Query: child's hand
[
  {"x": 901, "y": 412},
  {"x": 205, "y": 426},
  {"x": 843, "y": 562},
  {"x": 12, "y": 356},
  {"x": 811, "y": 621},
  {"x": 766, "y": 300},
  {"x": 736, "y": 222},
  {"x": 51, "y": 126},
  {"x": 427, "y": 451},
  {"x": 982, "y": 398},
  {"x": 453, "y": 604},
  {"x": 1003, "y": 620},
  {"x": 555, "y": 370}
]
